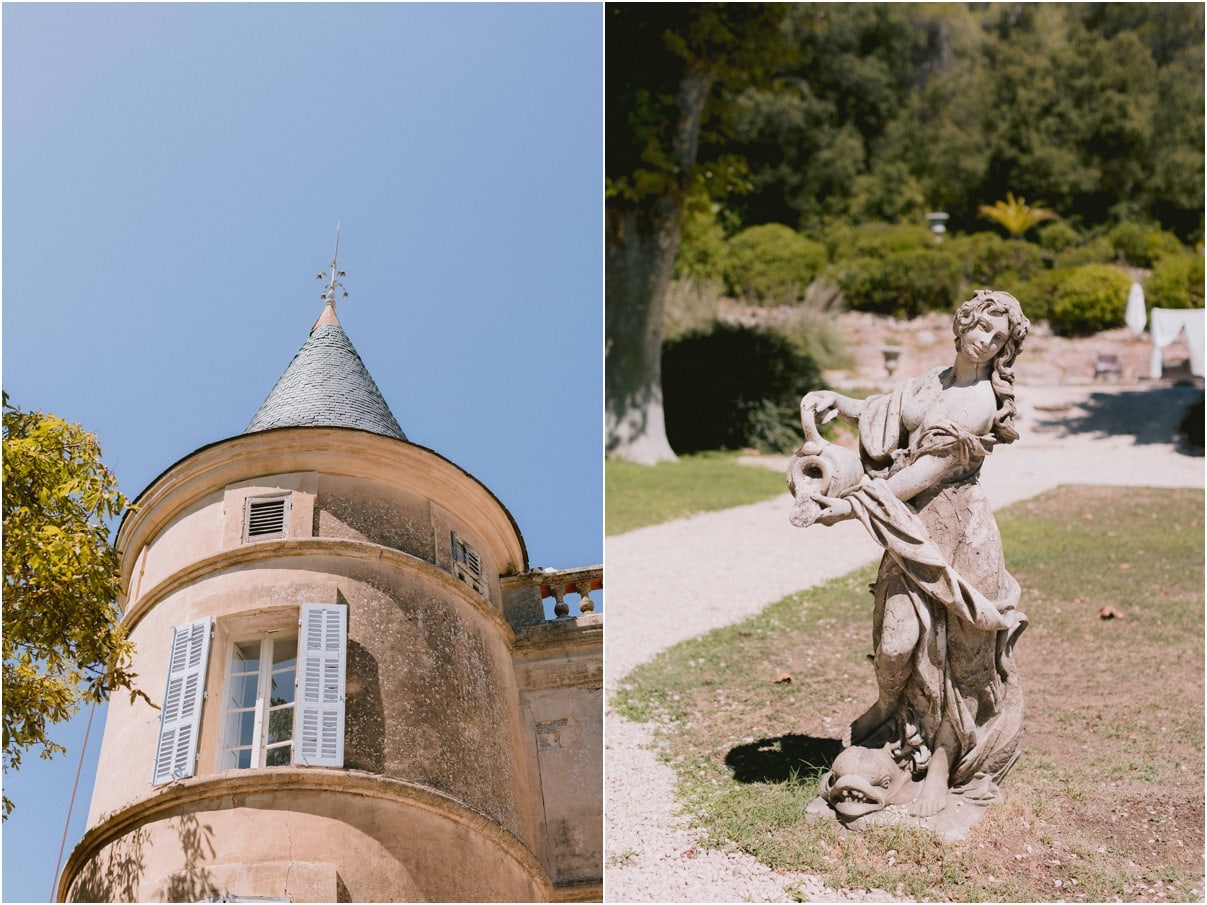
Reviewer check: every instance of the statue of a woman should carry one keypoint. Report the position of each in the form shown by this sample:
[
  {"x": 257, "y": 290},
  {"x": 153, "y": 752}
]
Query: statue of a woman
[{"x": 949, "y": 705}]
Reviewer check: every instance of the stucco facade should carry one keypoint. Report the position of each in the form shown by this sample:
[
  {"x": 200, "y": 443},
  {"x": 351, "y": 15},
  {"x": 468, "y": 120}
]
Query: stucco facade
[{"x": 468, "y": 728}]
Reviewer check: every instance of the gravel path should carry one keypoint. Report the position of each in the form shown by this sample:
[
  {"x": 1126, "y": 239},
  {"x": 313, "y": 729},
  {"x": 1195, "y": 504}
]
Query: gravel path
[{"x": 670, "y": 582}]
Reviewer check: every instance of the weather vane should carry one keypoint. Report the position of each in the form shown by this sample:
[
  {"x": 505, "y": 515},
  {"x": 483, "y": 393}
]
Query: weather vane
[{"x": 329, "y": 292}]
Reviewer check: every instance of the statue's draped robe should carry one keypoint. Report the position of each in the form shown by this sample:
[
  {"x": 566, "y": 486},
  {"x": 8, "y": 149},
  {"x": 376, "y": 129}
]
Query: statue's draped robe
[{"x": 943, "y": 551}]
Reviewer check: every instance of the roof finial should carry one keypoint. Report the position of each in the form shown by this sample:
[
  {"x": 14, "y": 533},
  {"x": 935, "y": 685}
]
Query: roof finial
[{"x": 329, "y": 292}]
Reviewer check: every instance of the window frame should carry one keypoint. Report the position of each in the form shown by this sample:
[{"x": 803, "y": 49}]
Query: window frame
[{"x": 263, "y": 708}]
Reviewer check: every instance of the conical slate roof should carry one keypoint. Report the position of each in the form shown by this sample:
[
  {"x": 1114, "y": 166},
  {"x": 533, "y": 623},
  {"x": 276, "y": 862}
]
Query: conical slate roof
[{"x": 327, "y": 385}]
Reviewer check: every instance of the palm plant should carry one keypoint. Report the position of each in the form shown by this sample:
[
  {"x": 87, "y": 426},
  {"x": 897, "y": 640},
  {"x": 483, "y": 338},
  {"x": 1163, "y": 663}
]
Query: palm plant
[{"x": 1015, "y": 215}]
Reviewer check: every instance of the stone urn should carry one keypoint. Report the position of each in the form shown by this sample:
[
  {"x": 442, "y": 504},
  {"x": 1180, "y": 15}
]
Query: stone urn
[{"x": 818, "y": 468}]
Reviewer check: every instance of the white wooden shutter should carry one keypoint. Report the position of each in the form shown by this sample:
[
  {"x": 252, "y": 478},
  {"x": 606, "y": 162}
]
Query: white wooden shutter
[
  {"x": 180, "y": 720},
  {"x": 322, "y": 643}
]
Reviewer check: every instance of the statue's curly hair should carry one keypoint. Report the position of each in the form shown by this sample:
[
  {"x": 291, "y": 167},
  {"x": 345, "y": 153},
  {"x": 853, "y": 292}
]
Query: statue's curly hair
[{"x": 1001, "y": 378}]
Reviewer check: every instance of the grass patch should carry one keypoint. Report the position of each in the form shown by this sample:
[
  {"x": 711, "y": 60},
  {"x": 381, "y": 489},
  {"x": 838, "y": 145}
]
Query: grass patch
[
  {"x": 1106, "y": 802},
  {"x": 640, "y": 495}
]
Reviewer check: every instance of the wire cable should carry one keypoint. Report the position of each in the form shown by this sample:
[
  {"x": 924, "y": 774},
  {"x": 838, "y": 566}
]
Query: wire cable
[{"x": 71, "y": 804}]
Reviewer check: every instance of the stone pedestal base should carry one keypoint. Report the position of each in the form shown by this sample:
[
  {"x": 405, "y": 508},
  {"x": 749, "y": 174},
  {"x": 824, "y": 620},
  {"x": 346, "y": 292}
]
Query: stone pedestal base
[{"x": 952, "y": 823}]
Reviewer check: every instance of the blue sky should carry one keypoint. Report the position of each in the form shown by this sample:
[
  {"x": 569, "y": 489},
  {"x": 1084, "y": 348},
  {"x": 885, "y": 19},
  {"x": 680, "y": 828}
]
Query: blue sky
[{"x": 172, "y": 179}]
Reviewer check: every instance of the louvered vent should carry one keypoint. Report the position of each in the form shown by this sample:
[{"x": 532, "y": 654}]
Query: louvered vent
[
  {"x": 266, "y": 517},
  {"x": 467, "y": 565}
]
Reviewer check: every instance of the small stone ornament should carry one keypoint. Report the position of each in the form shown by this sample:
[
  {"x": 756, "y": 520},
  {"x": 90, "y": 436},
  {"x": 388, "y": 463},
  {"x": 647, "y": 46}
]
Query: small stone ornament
[{"x": 944, "y": 729}]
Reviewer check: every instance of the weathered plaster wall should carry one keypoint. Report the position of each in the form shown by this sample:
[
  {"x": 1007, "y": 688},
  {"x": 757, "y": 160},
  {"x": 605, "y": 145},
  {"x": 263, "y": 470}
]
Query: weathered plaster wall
[
  {"x": 559, "y": 668},
  {"x": 312, "y": 836},
  {"x": 431, "y": 695},
  {"x": 356, "y": 509}
]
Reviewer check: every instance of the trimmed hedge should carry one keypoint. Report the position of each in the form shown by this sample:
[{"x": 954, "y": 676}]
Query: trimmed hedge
[
  {"x": 734, "y": 387},
  {"x": 990, "y": 260},
  {"x": 1099, "y": 250},
  {"x": 1057, "y": 236},
  {"x": 771, "y": 263},
  {"x": 1176, "y": 282},
  {"x": 877, "y": 240},
  {"x": 1088, "y": 299},
  {"x": 905, "y": 284}
]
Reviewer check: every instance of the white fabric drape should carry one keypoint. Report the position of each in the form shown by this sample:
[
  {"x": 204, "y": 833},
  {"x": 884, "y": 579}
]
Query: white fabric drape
[
  {"x": 1136, "y": 317},
  {"x": 1165, "y": 324}
]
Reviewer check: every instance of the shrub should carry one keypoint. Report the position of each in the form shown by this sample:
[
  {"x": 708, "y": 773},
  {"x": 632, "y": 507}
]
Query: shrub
[
  {"x": 1142, "y": 245},
  {"x": 1176, "y": 282},
  {"x": 1093, "y": 251},
  {"x": 989, "y": 260},
  {"x": 734, "y": 387},
  {"x": 877, "y": 240},
  {"x": 1036, "y": 295},
  {"x": 701, "y": 254},
  {"x": 771, "y": 263},
  {"x": 904, "y": 284},
  {"x": 1057, "y": 236},
  {"x": 1087, "y": 299}
]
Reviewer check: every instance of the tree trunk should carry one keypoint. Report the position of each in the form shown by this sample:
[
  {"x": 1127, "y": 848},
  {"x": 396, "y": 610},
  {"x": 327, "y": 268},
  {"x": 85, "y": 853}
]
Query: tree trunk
[
  {"x": 641, "y": 241},
  {"x": 640, "y": 255}
]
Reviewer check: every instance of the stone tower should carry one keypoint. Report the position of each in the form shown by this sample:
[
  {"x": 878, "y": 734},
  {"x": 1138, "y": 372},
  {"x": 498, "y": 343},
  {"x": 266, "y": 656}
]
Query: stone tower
[{"x": 361, "y": 697}]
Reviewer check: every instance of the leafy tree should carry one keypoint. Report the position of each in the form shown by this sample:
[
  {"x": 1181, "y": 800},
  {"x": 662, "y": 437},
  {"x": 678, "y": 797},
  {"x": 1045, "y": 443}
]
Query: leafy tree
[
  {"x": 881, "y": 111},
  {"x": 1015, "y": 215},
  {"x": 666, "y": 70},
  {"x": 63, "y": 644}
]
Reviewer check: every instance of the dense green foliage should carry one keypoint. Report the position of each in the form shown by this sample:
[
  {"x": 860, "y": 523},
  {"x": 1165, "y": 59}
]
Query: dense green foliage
[
  {"x": 1087, "y": 299},
  {"x": 772, "y": 263},
  {"x": 1176, "y": 282},
  {"x": 734, "y": 387},
  {"x": 990, "y": 260},
  {"x": 883, "y": 111},
  {"x": 62, "y": 641},
  {"x": 1142, "y": 245},
  {"x": 848, "y": 122},
  {"x": 905, "y": 284}
]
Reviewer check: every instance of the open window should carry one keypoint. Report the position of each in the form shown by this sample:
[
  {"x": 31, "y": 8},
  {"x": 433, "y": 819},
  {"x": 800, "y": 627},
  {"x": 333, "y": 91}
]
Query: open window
[
  {"x": 260, "y": 690},
  {"x": 282, "y": 697}
]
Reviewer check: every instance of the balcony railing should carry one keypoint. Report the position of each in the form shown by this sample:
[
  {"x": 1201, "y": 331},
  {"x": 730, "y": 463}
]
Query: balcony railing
[{"x": 560, "y": 584}]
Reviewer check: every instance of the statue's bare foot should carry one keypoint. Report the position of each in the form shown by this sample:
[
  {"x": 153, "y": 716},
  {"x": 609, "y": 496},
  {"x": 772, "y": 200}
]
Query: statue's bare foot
[
  {"x": 930, "y": 801},
  {"x": 866, "y": 726}
]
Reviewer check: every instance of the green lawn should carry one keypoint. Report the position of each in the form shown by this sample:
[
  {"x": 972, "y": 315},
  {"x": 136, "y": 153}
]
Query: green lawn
[
  {"x": 1106, "y": 802},
  {"x": 639, "y": 495}
]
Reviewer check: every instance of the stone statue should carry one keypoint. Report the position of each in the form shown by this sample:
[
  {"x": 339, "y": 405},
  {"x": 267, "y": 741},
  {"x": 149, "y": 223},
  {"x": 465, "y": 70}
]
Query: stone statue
[{"x": 945, "y": 725}]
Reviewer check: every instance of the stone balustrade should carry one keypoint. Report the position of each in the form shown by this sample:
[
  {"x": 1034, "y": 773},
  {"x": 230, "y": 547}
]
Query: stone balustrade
[{"x": 560, "y": 583}]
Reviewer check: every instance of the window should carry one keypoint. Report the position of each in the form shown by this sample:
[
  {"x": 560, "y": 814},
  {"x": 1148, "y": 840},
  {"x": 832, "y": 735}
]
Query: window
[
  {"x": 265, "y": 518},
  {"x": 467, "y": 565},
  {"x": 283, "y": 698},
  {"x": 259, "y": 701}
]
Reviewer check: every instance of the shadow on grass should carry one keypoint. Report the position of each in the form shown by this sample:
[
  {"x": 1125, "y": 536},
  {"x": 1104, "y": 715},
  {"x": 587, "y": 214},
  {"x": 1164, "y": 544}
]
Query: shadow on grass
[
  {"x": 1150, "y": 416},
  {"x": 783, "y": 758}
]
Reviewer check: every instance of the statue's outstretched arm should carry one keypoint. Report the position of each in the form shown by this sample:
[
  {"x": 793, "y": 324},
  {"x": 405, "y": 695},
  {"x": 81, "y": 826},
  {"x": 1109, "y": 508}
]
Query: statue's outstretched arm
[{"x": 825, "y": 402}]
